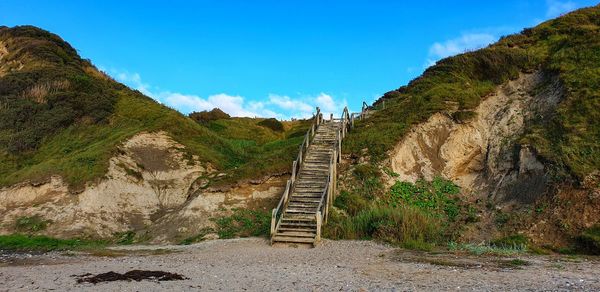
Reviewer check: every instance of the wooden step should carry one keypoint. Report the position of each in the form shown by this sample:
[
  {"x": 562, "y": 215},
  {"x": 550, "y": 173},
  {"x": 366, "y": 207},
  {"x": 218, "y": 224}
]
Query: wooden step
[
  {"x": 305, "y": 200},
  {"x": 298, "y": 218},
  {"x": 296, "y": 234},
  {"x": 298, "y": 229},
  {"x": 298, "y": 225},
  {"x": 304, "y": 212},
  {"x": 293, "y": 239}
]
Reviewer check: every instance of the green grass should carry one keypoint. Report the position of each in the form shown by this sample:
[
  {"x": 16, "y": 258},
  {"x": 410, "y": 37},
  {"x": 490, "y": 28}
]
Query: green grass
[
  {"x": 568, "y": 47},
  {"x": 244, "y": 223},
  {"x": 438, "y": 196},
  {"x": 21, "y": 242},
  {"x": 404, "y": 226}
]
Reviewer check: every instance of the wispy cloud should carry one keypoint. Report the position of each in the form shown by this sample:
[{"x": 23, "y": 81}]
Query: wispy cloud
[
  {"x": 286, "y": 102},
  {"x": 466, "y": 42},
  {"x": 557, "y": 8},
  {"x": 274, "y": 105}
]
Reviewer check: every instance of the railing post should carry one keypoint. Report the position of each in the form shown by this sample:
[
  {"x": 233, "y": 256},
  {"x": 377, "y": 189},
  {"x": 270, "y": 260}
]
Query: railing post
[
  {"x": 318, "y": 237},
  {"x": 273, "y": 217},
  {"x": 331, "y": 117},
  {"x": 318, "y": 116},
  {"x": 294, "y": 165},
  {"x": 339, "y": 144}
]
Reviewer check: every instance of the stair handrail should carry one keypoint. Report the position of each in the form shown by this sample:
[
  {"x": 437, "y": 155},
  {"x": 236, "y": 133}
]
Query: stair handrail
[
  {"x": 347, "y": 122},
  {"x": 296, "y": 166},
  {"x": 322, "y": 212}
]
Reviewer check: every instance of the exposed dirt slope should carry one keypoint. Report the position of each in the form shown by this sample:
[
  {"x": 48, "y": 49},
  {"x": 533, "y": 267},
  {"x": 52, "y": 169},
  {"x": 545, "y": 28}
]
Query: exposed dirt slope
[
  {"x": 152, "y": 182},
  {"x": 514, "y": 190},
  {"x": 482, "y": 154}
]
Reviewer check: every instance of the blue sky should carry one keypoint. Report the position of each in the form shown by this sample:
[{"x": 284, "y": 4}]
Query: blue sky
[{"x": 275, "y": 58}]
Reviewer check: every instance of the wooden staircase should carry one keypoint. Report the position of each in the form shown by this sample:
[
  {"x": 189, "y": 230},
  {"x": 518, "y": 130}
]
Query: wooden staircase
[{"x": 304, "y": 206}]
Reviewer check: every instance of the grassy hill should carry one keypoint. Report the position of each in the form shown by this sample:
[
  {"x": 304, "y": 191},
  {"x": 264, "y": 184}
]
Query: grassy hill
[
  {"x": 60, "y": 116},
  {"x": 568, "y": 46}
]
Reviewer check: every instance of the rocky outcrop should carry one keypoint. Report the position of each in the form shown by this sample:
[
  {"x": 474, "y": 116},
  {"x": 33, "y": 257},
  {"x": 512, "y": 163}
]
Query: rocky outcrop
[
  {"x": 152, "y": 184},
  {"x": 481, "y": 154}
]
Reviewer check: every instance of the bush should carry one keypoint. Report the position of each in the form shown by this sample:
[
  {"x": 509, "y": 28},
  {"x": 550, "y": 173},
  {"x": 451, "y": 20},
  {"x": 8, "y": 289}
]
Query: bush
[
  {"x": 207, "y": 116},
  {"x": 589, "y": 240},
  {"x": 272, "y": 124}
]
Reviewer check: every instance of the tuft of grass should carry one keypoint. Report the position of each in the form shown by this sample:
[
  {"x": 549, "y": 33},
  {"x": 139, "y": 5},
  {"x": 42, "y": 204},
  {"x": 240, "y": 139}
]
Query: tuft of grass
[
  {"x": 31, "y": 224},
  {"x": 517, "y": 241}
]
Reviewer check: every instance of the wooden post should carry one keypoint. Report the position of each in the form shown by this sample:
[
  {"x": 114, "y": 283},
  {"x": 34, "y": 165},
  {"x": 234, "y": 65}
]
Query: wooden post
[
  {"x": 339, "y": 158},
  {"x": 331, "y": 117},
  {"x": 273, "y": 216},
  {"x": 286, "y": 192},
  {"x": 318, "y": 116},
  {"x": 294, "y": 165},
  {"x": 326, "y": 209},
  {"x": 334, "y": 180},
  {"x": 318, "y": 237}
]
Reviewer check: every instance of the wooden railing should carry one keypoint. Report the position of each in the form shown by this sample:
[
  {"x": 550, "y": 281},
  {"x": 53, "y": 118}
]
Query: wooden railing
[
  {"x": 347, "y": 123},
  {"x": 296, "y": 166}
]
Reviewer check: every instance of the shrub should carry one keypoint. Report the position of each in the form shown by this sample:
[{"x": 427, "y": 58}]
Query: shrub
[
  {"x": 589, "y": 240},
  {"x": 207, "y": 116},
  {"x": 272, "y": 124}
]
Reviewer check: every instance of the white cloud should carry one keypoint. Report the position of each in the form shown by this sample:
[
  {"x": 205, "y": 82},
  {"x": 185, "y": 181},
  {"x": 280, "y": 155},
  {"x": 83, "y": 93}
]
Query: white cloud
[
  {"x": 464, "y": 43},
  {"x": 557, "y": 8},
  {"x": 326, "y": 103},
  {"x": 286, "y": 102},
  {"x": 275, "y": 105},
  {"x": 233, "y": 105}
]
